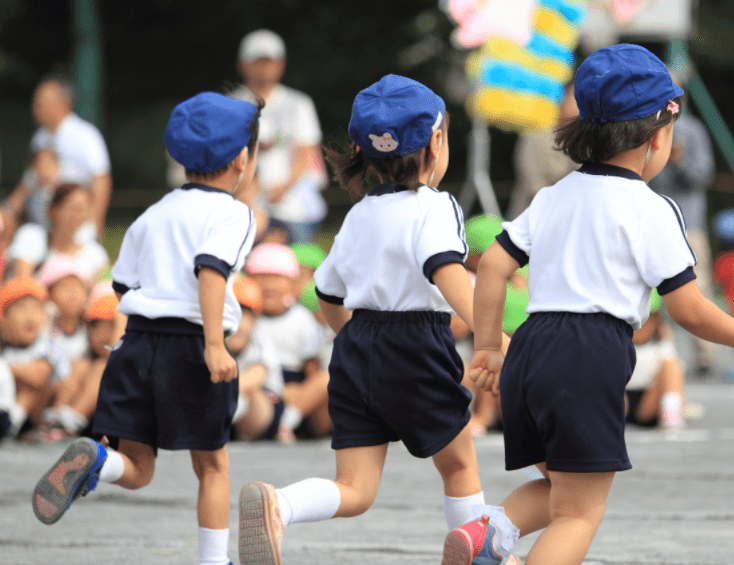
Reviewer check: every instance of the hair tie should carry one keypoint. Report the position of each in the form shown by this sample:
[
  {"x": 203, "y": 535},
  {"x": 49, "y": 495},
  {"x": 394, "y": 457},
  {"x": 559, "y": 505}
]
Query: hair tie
[{"x": 672, "y": 107}]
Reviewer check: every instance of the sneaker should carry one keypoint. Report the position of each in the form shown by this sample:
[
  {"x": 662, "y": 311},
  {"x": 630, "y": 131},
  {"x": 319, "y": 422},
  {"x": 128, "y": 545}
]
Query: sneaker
[
  {"x": 75, "y": 474},
  {"x": 261, "y": 527},
  {"x": 471, "y": 543}
]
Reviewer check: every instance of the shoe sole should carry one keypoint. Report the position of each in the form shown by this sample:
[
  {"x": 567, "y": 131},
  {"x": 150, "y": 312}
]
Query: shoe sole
[
  {"x": 458, "y": 548},
  {"x": 56, "y": 489},
  {"x": 257, "y": 543}
]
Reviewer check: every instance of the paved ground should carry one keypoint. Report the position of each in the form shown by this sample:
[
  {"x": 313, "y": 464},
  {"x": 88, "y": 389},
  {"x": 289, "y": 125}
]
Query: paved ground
[{"x": 676, "y": 507}]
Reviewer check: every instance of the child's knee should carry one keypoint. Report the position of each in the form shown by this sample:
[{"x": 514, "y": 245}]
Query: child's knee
[{"x": 210, "y": 463}]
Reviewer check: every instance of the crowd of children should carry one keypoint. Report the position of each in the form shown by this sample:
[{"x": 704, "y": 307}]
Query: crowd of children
[{"x": 201, "y": 334}]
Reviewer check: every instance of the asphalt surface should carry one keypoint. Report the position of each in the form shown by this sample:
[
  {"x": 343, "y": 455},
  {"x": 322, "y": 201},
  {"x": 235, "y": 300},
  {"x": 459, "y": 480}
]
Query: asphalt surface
[{"x": 675, "y": 507}]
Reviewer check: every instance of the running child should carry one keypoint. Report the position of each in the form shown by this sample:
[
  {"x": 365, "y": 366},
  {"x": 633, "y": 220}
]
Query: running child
[
  {"x": 597, "y": 243},
  {"x": 170, "y": 382},
  {"x": 388, "y": 286}
]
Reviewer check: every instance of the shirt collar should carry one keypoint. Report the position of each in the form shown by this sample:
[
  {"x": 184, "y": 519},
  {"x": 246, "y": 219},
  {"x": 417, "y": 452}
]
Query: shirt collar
[
  {"x": 204, "y": 187},
  {"x": 388, "y": 188},
  {"x": 606, "y": 170}
]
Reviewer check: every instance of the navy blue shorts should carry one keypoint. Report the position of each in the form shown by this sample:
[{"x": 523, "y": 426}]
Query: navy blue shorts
[
  {"x": 396, "y": 376},
  {"x": 156, "y": 389},
  {"x": 562, "y": 392}
]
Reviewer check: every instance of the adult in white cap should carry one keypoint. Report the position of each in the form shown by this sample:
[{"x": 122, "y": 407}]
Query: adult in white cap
[{"x": 290, "y": 171}]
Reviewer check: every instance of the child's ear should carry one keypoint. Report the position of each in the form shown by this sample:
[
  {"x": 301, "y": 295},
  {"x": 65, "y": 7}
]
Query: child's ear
[
  {"x": 241, "y": 160},
  {"x": 435, "y": 144}
]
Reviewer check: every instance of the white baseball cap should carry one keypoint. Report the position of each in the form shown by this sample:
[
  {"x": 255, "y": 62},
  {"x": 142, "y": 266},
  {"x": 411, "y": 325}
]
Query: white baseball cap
[{"x": 261, "y": 44}]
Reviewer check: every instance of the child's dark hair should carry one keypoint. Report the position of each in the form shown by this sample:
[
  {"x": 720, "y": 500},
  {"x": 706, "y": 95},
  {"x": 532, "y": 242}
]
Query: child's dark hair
[
  {"x": 257, "y": 101},
  {"x": 591, "y": 142},
  {"x": 352, "y": 168},
  {"x": 62, "y": 193}
]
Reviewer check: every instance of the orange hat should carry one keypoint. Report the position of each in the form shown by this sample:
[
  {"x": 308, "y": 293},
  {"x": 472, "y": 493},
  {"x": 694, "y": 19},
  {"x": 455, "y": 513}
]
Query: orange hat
[
  {"x": 248, "y": 294},
  {"x": 102, "y": 308},
  {"x": 18, "y": 288}
]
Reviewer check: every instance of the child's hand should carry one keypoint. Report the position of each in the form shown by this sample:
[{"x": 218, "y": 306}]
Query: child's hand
[
  {"x": 485, "y": 370},
  {"x": 220, "y": 363}
]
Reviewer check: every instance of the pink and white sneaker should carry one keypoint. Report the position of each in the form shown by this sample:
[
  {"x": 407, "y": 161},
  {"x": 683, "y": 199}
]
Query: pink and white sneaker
[
  {"x": 470, "y": 544},
  {"x": 261, "y": 527}
]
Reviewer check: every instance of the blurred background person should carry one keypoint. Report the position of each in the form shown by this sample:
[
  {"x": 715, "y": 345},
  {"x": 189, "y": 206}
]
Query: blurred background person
[
  {"x": 290, "y": 171},
  {"x": 80, "y": 152}
]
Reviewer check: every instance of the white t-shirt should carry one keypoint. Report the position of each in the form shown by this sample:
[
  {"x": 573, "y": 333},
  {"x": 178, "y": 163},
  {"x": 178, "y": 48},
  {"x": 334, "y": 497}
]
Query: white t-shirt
[
  {"x": 388, "y": 248},
  {"x": 600, "y": 240},
  {"x": 191, "y": 227},
  {"x": 296, "y": 335},
  {"x": 288, "y": 120},
  {"x": 79, "y": 147},
  {"x": 30, "y": 243},
  {"x": 76, "y": 345},
  {"x": 650, "y": 357},
  {"x": 261, "y": 351},
  {"x": 45, "y": 347}
]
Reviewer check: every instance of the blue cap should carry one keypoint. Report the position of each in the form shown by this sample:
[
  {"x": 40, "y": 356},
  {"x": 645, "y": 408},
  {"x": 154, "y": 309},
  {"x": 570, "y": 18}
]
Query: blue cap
[
  {"x": 394, "y": 117},
  {"x": 622, "y": 82},
  {"x": 206, "y": 132}
]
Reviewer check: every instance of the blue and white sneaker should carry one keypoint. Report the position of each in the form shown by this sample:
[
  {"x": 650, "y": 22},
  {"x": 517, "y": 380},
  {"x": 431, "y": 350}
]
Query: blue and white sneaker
[{"x": 75, "y": 474}]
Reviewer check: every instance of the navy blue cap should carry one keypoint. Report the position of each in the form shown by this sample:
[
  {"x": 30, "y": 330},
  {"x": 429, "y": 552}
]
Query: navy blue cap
[
  {"x": 394, "y": 117},
  {"x": 206, "y": 132},
  {"x": 622, "y": 82}
]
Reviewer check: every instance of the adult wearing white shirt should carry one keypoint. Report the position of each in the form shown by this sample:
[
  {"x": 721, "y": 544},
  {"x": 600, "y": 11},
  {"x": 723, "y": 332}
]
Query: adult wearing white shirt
[
  {"x": 79, "y": 147},
  {"x": 290, "y": 168}
]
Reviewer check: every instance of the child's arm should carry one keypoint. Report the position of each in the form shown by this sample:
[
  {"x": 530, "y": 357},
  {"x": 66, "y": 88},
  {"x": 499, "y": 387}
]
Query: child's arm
[
  {"x": 221, "y": 364},
  {"x": 453, "y": 281},
  {"x": 335, "y": 315},
  {"x": 490, "y": 344},
  {"x": 697, "y": 314}
]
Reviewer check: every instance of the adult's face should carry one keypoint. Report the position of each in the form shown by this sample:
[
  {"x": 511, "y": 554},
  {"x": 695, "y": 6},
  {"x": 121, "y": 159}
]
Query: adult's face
[
  {"x": 49, "y": 105},
  {"x": 262, "y": 73}
]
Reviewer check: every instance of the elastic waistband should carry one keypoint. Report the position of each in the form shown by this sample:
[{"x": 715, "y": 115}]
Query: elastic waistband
[
  {"x": 591, "y": 317},
  {"x": 409, "y": 317},
  {"x": 138, "y": 323}
]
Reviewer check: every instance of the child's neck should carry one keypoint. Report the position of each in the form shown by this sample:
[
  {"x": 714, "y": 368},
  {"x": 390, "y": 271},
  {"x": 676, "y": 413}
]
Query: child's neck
[
  {"x": 67, "y": 324},
  {"x": 633, "y": 160}
]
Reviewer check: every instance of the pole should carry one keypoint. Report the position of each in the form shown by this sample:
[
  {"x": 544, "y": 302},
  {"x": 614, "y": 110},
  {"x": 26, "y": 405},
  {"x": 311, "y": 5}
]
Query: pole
[{"x": 87, "y": 67}]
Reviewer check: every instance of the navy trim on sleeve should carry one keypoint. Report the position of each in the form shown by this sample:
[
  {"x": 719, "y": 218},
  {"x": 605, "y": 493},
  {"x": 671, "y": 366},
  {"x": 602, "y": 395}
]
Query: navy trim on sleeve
[
  {"x": 439, "y": 260},
  {"x": 669, "y": 285},
  {"x": 515, "y": 252},
  {"x": 681, "y": 222},
  {"x": 460, "y": 223},
  {"x": 328, "y": 298},
  {"x": 206, "y": 260},
  {"x": 119, "y": 287}
]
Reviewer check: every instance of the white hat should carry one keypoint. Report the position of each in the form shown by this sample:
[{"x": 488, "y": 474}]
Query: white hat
[{"x": 261, "y": 44}]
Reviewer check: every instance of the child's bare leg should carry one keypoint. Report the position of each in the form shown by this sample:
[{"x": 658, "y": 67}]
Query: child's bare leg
[
  {"x": 358, "y": 474},
  {"x": 308, "y": 395},
  {"x": 577, "y": 505},
  {"x": 669, "y": 379},
  {"x": 212, "y": 470},
  {"x": 86, "y": 401},
  {"x": 257, "y": 418},
  {"x": 457, "y": 465},
  {"x": 528, "y": 506},
  {"x": 320, "y": 421},
  {"x": 70, "y": 387},
  {"x": 139, "y": 463}
]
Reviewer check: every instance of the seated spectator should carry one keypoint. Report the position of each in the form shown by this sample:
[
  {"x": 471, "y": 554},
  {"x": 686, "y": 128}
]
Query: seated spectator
[
  {"x": 261, "y": 412},
  {"x": 32, "y": 245},
  {"x": 72, "y": 410},
  {"x": 296, "y": 334},
  {"x": 655, "y": 393},
  {"x": 36, "y": 359}
]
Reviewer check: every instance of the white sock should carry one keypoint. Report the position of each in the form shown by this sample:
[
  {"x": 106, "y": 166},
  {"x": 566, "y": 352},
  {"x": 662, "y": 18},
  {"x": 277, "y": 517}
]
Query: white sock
[
  {"x": 311, "y": 500},
  {"x": 458, "y": 510},
  {"x": 213, "y": 546},
  {"x": 112, "y": 468},
  {"x": 291, "y": 417},
  {"x": 17, "y": 416},
  {"x": 671, "y": 410},
  {"x": 71, "y": 420}
]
